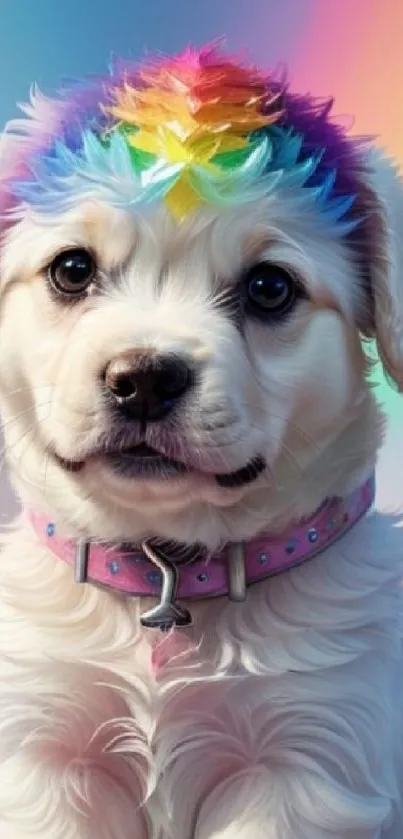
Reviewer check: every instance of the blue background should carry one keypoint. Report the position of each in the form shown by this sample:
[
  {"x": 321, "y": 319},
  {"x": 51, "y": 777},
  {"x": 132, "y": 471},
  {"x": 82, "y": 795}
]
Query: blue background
[{"x": 45, "y": 40}]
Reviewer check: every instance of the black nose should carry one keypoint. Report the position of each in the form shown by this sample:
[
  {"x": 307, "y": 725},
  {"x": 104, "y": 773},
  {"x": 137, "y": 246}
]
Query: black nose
[{"x": 148, "y": 387}]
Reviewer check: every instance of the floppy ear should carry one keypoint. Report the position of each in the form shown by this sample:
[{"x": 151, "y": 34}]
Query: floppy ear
[{"x": 382, "y": 201}]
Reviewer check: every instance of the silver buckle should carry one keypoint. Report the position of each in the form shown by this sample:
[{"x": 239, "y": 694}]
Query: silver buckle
[{"x": 166, "y": 614}]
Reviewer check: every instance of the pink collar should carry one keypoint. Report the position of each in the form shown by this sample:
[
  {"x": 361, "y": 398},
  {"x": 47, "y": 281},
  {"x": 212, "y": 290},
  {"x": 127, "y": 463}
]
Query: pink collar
[{"x": 142, "y": 572}]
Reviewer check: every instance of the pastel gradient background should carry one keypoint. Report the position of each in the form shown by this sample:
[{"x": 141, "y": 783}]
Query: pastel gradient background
[{"x": 348, "y": 48}]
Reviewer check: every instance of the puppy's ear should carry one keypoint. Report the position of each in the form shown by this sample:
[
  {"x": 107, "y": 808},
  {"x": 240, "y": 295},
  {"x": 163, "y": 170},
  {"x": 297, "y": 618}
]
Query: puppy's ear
[{"x": 382, "y": 254}]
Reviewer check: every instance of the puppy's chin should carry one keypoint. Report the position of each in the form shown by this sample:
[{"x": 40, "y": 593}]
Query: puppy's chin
[{"x": 174, "y": 494}]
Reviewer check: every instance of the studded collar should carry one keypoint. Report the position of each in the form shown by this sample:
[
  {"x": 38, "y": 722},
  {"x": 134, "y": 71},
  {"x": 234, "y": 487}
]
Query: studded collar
[{"x": 144, "y": 571}]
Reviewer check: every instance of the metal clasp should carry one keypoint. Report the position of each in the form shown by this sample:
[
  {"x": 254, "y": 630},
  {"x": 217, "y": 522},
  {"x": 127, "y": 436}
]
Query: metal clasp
[
  {"x": 236, "y": 572},
  {"x": 166, "y": 614},
  {"x": 81, "y": 561}
]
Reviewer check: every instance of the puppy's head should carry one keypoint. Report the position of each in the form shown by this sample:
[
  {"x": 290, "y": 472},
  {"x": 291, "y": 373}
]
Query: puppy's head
[{"x": 190, "y": 256}]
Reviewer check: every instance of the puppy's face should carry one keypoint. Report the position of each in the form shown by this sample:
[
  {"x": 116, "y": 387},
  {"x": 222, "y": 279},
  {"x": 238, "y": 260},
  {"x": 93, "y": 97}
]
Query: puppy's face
[{"x": 155, "y": 376}]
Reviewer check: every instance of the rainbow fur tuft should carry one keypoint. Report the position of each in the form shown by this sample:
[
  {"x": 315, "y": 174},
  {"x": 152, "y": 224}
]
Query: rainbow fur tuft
[{"x": 193, "y": 130}]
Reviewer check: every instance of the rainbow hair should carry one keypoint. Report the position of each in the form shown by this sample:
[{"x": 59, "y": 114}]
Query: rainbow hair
[{"x": 192, "y": 130}]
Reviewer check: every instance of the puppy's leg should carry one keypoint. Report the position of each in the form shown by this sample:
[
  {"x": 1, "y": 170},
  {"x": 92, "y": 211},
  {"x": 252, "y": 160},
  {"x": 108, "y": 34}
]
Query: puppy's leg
[
  {"x": 244, "y": 760},
  {"x": 74, "y": 704},
  {"x": 74, "y": 760}
]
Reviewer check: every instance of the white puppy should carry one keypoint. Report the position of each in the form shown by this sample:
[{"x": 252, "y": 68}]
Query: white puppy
[{"x": 190, "y": 259}]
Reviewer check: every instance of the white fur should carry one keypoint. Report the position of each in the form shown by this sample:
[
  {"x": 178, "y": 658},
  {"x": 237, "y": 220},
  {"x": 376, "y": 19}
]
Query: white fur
[{"x": 279, "y": 718}]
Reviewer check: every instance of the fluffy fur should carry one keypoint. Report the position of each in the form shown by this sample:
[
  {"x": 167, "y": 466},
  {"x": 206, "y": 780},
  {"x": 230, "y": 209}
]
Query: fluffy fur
[{"x": 277, "y": 718}]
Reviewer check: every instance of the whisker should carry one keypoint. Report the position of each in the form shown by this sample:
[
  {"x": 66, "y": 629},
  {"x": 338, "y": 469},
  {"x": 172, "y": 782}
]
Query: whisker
[{"x": 31, "y": 408}]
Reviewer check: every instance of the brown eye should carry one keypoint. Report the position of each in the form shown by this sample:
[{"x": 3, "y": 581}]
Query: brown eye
[
  {"x": 71, "y": 272},
  {"x": 269, "y": 290}
]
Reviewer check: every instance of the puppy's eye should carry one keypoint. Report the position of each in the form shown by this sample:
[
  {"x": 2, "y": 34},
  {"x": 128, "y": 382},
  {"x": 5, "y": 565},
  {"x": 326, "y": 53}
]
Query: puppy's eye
[
  {"x": 71, "y": 272},
  {"x": 269, "y": 290}
]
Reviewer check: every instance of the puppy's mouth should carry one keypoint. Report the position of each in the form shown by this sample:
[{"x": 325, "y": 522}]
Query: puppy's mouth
[{"x": 142, "y": 461}]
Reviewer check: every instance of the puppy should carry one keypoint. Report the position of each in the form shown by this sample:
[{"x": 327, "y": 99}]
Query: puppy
[{"x": 193, "y": 263}]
